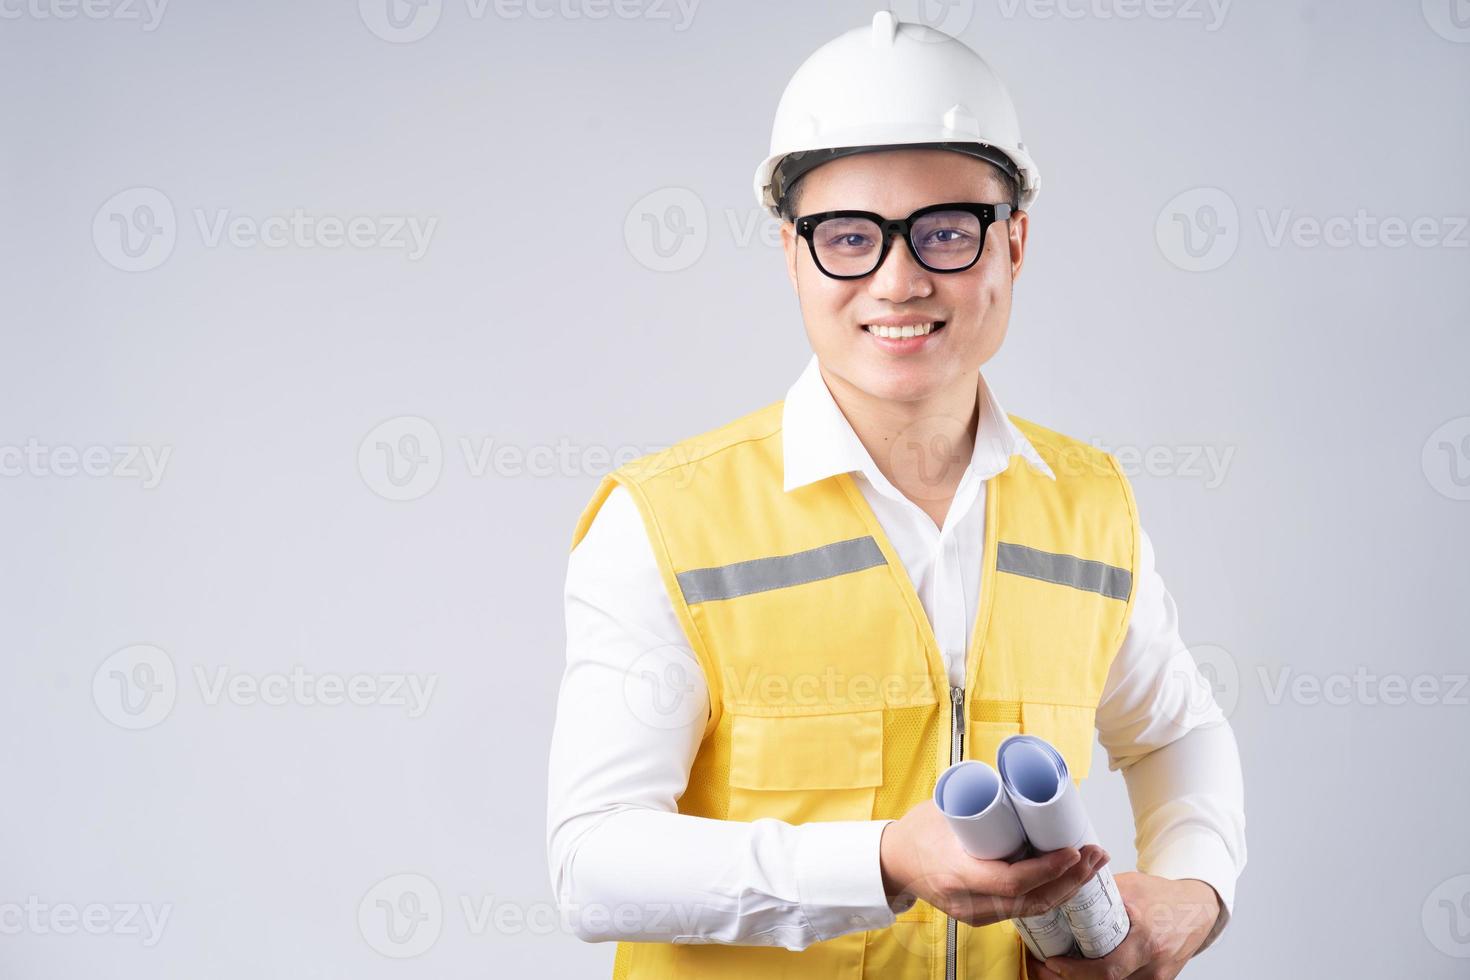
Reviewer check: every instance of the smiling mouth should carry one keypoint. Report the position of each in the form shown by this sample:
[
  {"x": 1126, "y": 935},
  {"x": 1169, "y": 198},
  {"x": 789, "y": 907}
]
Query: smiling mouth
[{"x": 911, "y": 330}]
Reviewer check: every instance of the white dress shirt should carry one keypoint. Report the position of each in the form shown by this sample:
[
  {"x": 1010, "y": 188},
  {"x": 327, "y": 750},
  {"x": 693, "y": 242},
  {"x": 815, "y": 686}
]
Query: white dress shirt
[{"x": 626, "y": 865}]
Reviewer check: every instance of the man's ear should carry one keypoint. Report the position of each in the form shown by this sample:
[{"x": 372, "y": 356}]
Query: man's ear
[
  {"x": 790, "y": 244},
  {"x": 1016, "y": 230}
]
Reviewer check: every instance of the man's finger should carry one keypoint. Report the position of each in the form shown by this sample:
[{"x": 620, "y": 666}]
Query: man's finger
[
  {"x": 1036, "y": 970},
  {"x": 1054, "y": 893},
  {"x": 1015, "y": 880},
  {"x": 1130, "y": 957}
]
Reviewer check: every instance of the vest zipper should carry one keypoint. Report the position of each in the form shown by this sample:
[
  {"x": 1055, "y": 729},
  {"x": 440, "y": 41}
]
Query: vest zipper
[{"x": 956, "y": 751}]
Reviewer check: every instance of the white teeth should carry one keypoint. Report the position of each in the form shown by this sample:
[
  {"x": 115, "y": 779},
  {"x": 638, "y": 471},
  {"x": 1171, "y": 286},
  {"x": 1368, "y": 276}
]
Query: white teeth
[{"x": 896, "y": 333}]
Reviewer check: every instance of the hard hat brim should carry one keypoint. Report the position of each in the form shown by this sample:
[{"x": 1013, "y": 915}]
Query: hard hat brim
[
  {"x": 775, "y": 175},
  {"x": 792, "y": 166}
]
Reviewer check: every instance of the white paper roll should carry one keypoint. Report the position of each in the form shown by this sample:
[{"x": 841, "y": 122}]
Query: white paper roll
[
  {"x": 1051, "y": 813},
  {"x": 970, "y": 796}
]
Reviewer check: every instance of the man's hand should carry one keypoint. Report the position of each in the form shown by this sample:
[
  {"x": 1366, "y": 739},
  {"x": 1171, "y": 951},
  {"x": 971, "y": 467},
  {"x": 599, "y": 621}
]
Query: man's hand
[
  {"x": 1169, "y": 922},
  {"x": 921, "y": 857}
]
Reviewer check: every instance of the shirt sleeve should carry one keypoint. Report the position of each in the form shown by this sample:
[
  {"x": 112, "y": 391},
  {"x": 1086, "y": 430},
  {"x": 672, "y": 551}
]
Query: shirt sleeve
[
  {"x": 624, "y": 863},
  {"x": 1161, "y": 725}
]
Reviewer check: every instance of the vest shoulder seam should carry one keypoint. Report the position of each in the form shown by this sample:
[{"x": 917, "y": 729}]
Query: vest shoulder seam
[
  {"x": 1051, "y": 438},
  {"x": 643, "y": 468}
]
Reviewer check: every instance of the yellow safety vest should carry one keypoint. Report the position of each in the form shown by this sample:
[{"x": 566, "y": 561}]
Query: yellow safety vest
[{"x": 829, "y": 695}]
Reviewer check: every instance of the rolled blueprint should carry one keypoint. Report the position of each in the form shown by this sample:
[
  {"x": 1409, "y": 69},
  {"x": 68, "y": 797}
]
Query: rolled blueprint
[
  {"x": 970, "y": 796},
  {"x": 1051, "y": 812}
]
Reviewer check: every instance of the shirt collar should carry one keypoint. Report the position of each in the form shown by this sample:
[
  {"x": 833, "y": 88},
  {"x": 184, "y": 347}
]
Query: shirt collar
[{"x": 818, "y": 441}]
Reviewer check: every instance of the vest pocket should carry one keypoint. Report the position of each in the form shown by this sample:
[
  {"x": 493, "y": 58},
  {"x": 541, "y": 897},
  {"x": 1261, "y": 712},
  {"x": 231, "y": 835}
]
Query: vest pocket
[
  {"x": 800, "y": 768},
  {"x": 983, "y": 738},
  {"x": 1069, "y": 727}
]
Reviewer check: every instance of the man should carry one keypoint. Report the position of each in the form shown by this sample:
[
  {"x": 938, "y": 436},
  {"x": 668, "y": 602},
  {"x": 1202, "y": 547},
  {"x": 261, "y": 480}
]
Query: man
[{"x": 780, "y": 631}]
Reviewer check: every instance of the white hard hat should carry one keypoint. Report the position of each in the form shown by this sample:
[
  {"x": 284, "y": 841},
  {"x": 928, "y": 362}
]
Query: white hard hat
[{"x": 887, "y": 86}]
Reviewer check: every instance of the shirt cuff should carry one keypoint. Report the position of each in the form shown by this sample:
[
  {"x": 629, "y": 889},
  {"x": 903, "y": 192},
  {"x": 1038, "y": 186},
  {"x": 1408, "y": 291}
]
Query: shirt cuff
[
  {"x": 1203, "y": 856},
  {"x": 839, "y": 877}
]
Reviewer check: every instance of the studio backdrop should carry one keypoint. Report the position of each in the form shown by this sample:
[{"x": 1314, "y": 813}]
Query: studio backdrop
[{"x": 320, "y": 323}]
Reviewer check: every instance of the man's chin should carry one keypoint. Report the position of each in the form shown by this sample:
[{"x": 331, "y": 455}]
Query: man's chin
[{"x": 891, "y": 379}]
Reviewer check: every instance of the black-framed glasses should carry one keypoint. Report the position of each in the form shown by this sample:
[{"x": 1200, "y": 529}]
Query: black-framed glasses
[{"x": 940, "y": 237}]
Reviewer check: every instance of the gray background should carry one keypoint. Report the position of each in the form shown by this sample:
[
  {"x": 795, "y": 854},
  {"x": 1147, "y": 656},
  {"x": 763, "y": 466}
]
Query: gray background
[{"x": 545, "y": 321}]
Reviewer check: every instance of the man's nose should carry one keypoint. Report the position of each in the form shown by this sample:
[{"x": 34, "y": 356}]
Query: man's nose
[{"x": 900, "y": 277}]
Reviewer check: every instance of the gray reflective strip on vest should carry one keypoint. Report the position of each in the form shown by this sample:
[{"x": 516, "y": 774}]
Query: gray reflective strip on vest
[
  {"x": 1079, "y": 573},
  {"x": 764, "y": 574}
]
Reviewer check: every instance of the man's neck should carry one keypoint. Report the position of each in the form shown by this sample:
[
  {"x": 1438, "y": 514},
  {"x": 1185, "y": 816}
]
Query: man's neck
[{"x": 922, "y": 447}]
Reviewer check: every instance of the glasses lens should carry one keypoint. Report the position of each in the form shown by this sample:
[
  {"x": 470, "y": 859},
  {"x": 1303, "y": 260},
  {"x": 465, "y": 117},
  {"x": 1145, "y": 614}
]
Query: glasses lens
[
  {"x": 848, "y": 246},
  {"x": 948, "y": 239}
]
